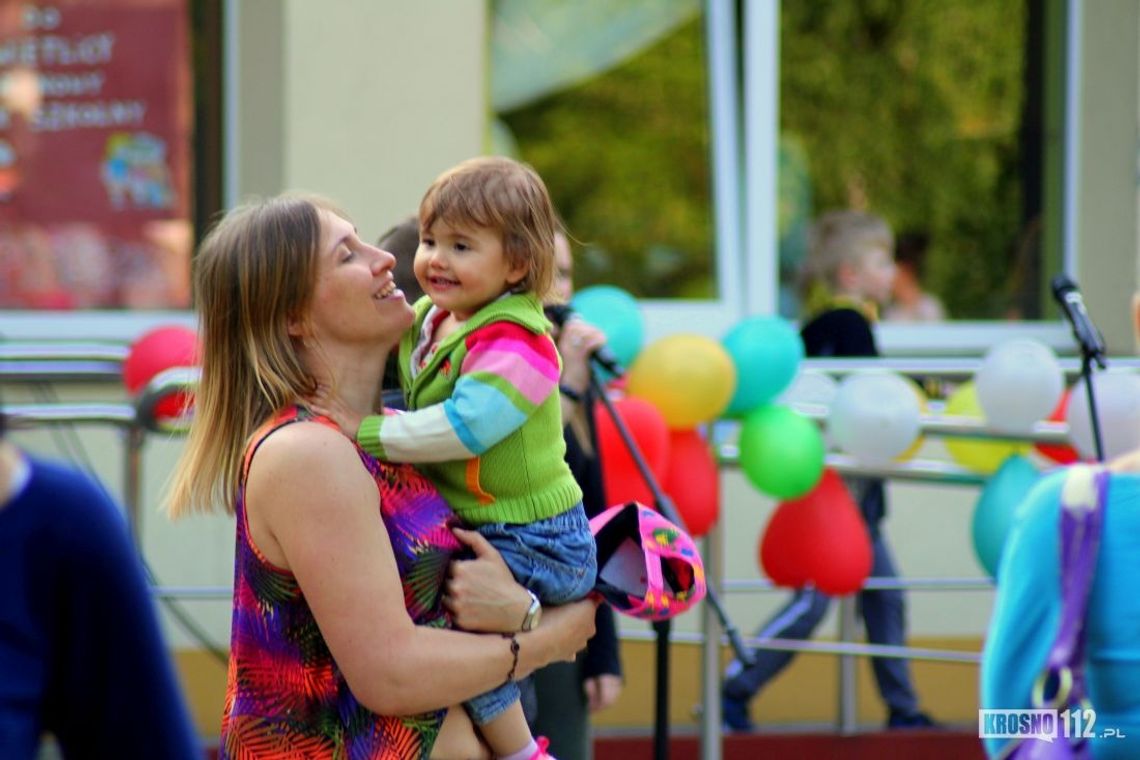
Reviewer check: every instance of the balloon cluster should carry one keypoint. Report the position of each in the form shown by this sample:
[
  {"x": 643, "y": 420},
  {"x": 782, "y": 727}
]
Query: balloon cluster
[
  {"x": 1018, "y": 384},
  {"x": 155, "y": 351},
  {"x": 673, "y": 385},
  {"x": 753, "y": 375},
  {"x": 680, "y": 382}
]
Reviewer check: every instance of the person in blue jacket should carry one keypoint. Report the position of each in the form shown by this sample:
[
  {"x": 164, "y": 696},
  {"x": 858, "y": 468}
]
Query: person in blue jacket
[
  {"x": 81, "y": 654},
  {"x": 1027, "y": 609}
]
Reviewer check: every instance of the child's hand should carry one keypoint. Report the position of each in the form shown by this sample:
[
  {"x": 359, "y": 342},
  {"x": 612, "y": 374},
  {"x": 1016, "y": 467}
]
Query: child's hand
[{"x": 327, "y": 404}]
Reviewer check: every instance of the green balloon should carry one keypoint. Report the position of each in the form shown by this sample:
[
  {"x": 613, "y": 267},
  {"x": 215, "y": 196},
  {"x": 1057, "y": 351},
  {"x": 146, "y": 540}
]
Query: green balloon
[{"x": 781, "y": 452}]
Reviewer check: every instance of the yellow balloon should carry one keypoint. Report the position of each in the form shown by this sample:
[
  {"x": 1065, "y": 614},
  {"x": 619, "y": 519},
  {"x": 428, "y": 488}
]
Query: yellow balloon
[
  {"x": 689, "y": 378},
  {"x": 920, "y": 439},
  {"x": 984, "y": 456}
]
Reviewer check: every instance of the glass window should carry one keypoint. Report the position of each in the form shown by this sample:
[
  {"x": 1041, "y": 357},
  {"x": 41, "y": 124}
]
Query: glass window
[
  {"x": 944, "y": 118},
  {"x": 609, "y": 102},
  {"x": 939, "y": 117}
]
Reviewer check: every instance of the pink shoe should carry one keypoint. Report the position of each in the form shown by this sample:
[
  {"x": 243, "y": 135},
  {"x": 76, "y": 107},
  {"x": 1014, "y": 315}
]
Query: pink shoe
[{"x": 542, "y": 754}]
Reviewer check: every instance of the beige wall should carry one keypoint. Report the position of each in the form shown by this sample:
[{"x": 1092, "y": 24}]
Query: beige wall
[
  {"x": 363, "y": 101},
  {"x": 1107, "y": 236}
]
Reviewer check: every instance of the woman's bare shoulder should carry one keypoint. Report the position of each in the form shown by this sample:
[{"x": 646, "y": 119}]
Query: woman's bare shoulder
[{"x": 304, "y": 450}]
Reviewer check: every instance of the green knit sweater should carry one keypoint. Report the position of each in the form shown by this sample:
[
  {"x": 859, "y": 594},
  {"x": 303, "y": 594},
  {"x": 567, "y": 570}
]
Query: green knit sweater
[{"x": 485, "y": 420}]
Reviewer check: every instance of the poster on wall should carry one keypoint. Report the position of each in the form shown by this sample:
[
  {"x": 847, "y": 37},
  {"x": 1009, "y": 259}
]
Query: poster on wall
[{"x": 96, "y": 117}]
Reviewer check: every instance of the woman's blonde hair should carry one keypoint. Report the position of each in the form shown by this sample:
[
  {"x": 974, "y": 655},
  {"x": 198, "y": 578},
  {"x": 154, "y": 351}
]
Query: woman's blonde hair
[
  {"x": 254, "y": 274},
  {"x": 501, "y": 194}
]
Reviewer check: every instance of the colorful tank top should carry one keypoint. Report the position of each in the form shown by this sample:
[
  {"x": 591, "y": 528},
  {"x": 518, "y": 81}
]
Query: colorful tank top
[{"x": 285, "y": 696}]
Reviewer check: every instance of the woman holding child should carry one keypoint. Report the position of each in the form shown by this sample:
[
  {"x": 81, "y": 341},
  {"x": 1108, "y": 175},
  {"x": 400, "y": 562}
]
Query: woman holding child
[{"x": 340, "y": 619}]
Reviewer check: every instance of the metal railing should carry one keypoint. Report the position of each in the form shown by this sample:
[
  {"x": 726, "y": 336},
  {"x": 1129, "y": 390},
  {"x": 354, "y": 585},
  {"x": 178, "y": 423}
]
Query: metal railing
[{"x": 100, "y": 363}]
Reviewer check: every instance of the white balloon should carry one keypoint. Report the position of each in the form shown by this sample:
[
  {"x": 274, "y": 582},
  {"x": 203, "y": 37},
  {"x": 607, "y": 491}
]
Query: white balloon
[
  {"x": 810, "y": 387},
  {"x": 1018, "y": 384},
  {"x": 814, "y": 388},
  {"x": 875, "y": 416},
  {"x": 1117, "y": 396}
]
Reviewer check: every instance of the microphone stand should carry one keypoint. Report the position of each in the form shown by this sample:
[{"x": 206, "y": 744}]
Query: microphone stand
[
  {"x": 1088, "y": 357},
  {"x": 665, "y": 506}
]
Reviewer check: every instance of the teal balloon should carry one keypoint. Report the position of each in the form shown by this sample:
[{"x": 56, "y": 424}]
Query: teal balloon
[
  {"x": 767, "y": 352},
  {"x": 616, "y": 313},
  {"x": 993, "y": 514},
  {"x": 780, "y": 451}
]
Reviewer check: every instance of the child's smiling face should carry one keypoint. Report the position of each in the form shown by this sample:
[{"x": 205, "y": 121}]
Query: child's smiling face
[{"x": 463, "y": 269}]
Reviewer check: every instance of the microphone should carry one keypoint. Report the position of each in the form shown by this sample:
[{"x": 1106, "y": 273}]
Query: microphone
[
  {"x": 560, "y": 314},
  {"x": 1068, "y": 297}
]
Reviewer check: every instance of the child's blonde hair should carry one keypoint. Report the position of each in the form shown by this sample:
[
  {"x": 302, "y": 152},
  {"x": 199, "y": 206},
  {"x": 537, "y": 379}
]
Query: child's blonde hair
[
  {"x": 501, "y": 194},
  {"x": 842, "y": 237}
]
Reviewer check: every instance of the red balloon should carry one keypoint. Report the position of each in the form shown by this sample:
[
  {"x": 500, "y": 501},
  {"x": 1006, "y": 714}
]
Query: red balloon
[
  {"x": 780, "y": 546},
  {"x": 620, "y": 477},
  {"x": 693, "y": 481},
  {"x": 1059, "y": 453},
  {"x": 173, "y": 406},
  {"x": 158, "y": 350},
  {"x": 819, "y": 538},
  {"x": 155, "y": 351}
]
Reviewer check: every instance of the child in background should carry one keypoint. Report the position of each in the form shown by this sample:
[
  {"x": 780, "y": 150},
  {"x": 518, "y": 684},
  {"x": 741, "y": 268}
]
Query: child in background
[
  {"x": 909, "y": 301},
  {"x": 848, "y": 275},
  {"x": 480, "y": 375}
]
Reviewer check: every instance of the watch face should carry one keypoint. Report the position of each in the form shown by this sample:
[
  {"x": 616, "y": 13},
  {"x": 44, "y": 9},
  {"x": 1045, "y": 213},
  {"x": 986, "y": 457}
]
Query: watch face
[{"x": 530, "y": 622}]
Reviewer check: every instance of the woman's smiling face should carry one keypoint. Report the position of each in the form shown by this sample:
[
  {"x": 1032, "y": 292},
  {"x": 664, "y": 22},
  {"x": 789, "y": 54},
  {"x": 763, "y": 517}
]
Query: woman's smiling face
[{"x": 355, "y": 297}]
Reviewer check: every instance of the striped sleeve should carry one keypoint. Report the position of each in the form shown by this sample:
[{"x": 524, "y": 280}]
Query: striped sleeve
[{"x": 507, "y": 374}]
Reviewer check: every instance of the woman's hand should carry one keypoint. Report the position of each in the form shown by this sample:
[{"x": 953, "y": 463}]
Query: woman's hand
[
  {"x": 602, "y": 691},
  {"x": 576, "y": 341},
  {"x": 563, "y": 633},
  {"x": 480, "y": 593}
]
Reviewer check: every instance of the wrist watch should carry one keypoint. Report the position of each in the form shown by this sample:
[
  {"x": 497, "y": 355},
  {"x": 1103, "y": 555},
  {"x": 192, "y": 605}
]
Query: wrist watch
[{"x": 533, "y": 613}]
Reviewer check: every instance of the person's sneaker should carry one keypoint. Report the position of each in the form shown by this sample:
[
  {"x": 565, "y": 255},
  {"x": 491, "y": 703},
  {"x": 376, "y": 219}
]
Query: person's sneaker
[
  {"x": 734, "y": 713},
  {"x": 541, "y": 754},
  {"x": 917, "y": 719}
]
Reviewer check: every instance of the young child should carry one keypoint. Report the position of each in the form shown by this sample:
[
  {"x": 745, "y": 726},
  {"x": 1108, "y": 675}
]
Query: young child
[
  {"x": 480, "y": 376},
  {"x": 847, "y": 276}
]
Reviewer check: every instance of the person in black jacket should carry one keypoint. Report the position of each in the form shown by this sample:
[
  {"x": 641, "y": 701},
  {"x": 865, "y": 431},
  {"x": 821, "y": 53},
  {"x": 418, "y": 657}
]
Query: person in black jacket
[
  {"x": 848, "y": 274},
  {"x": 568, "y": 692}
]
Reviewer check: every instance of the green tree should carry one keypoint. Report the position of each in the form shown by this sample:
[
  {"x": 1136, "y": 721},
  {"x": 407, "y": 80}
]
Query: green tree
[
  {"x": 911, "y": 108},
  {"x": 626, "y": 158}
]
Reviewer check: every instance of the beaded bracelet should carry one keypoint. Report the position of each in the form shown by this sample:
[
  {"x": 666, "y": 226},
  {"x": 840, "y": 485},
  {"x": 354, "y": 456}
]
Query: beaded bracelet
[{"x": 514, "y": 654}]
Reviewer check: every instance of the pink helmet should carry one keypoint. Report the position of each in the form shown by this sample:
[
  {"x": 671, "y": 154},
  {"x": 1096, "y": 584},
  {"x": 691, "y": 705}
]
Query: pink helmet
[{"x": 648, "y": 568}]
